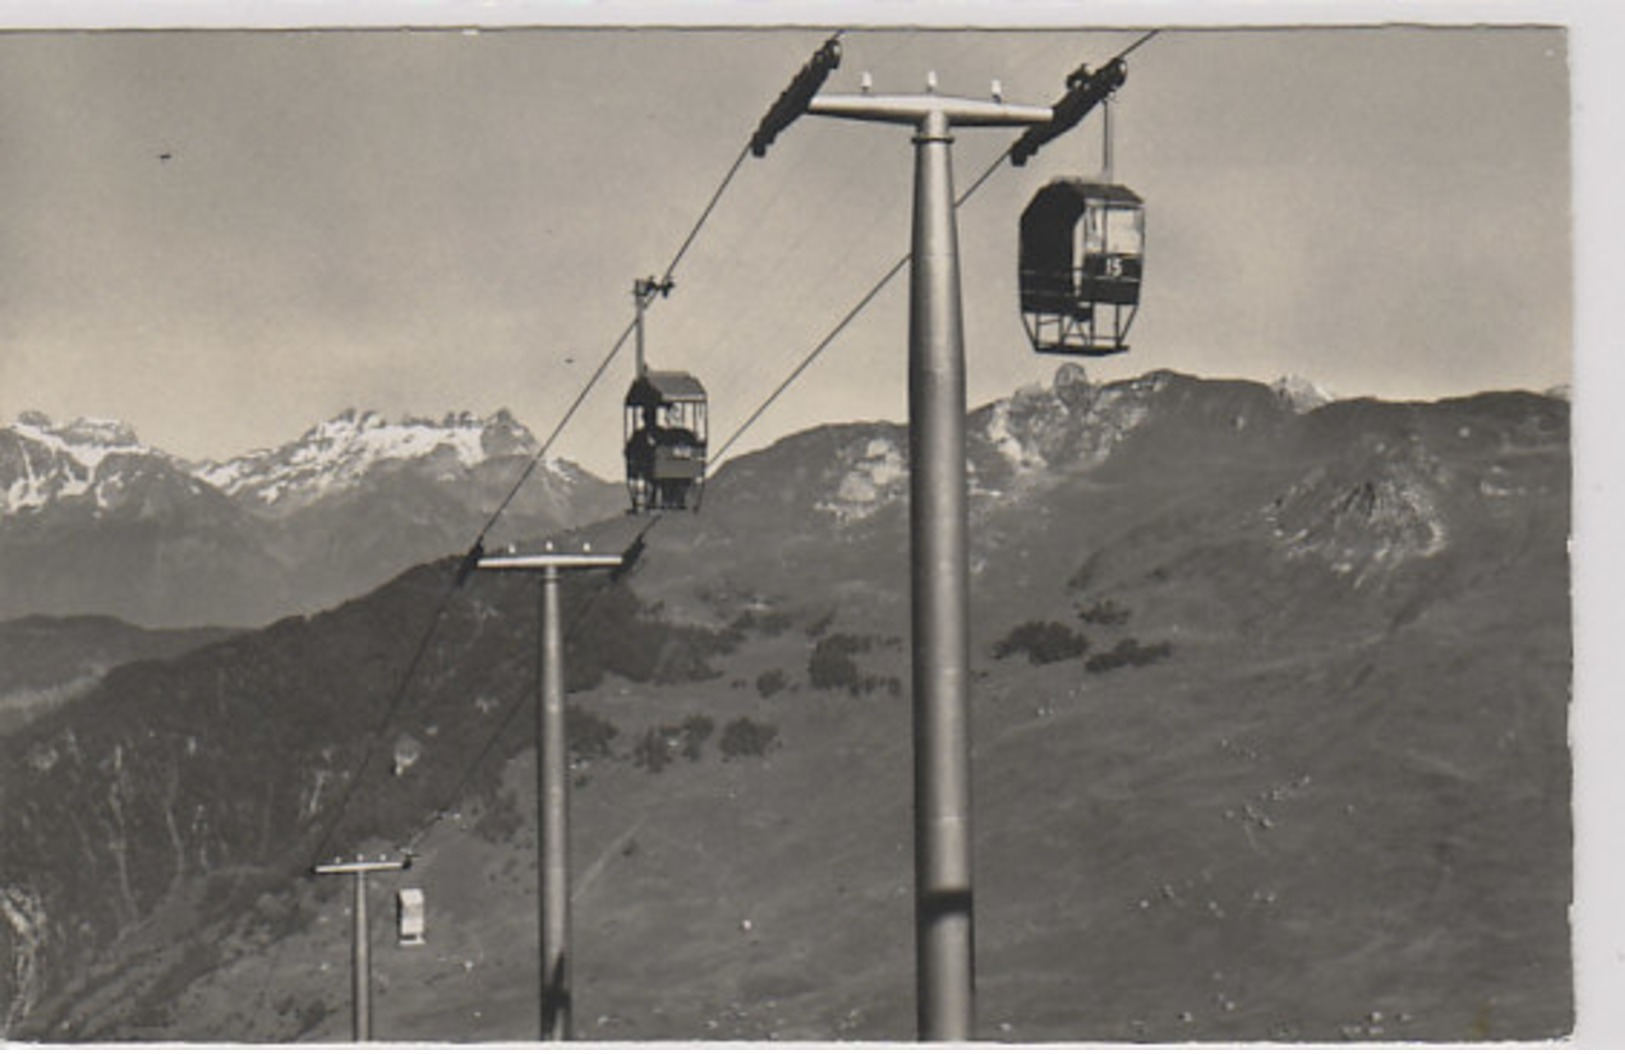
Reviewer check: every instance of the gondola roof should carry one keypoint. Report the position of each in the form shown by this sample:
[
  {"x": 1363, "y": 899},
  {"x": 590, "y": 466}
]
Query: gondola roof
[
  {"x": 1063, "y": 200},
  {"x": 658, "y": 386}
]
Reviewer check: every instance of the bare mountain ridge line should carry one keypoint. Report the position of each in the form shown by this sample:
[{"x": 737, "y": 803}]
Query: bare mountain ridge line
[
  {"x": 369, "y": 436},
  {"x": 417, "y": 470}
]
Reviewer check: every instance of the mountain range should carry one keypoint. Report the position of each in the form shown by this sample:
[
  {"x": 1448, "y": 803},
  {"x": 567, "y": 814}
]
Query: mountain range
[
  {"x": 92, "y": 521},
  {"x": 1270, "y": 718}
]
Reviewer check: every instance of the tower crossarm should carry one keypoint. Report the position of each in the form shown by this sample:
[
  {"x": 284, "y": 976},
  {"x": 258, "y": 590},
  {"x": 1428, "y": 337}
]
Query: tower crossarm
[{"x": 913, "y": 109}]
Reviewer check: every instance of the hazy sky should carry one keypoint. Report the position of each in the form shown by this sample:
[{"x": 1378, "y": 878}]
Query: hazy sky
[{"x": 223, "y": 237}]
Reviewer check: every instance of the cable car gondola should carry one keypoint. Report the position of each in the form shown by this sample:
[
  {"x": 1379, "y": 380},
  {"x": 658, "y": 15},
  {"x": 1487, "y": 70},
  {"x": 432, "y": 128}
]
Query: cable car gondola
[
  {"x": 1082, "y": 253},
  {"x": 665, "y": 441},
  {"x": 665, "y": 424}
]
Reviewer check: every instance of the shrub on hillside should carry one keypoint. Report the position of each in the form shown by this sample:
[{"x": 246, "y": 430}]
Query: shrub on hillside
[
  {"x": 1128, "y": 652},
  {"x": 743, "y": 737},
  {"x": 832, "y": 666},
  {"x": 590, "y": 736},
  {"x": 661, "y": 746},
  {"x": 771, "y": 683},
  {"x": 499, "y": 818},
  {"x": 693, "y": 733},
  {"x": 1042, "y": 643},
  {"x": 653, "y": 751},
  {"x": 615, "y": 633}
]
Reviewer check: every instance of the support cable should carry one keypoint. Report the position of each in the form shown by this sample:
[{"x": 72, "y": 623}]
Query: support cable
[
  {"x": 368, "y": 749},
  {"x": 478, "y": 547},
  {"x": 846, "y": 320},
  {"x": 808, "y": 360},
  {"x": 1126, "y": 52},
  {"x": 705, "y": 215}
]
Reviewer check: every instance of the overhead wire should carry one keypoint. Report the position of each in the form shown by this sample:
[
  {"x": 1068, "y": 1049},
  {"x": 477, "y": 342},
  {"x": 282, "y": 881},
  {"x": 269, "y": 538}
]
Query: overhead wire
[
  {"x": 393, "y": 705},
  {"x": 810, "y": 357},
  {"x": 541, "y": 451},
  {"x": 710, "y": 206},
  {"x": 1126, "y": 52},
  {"x": 846, "y": 320}
]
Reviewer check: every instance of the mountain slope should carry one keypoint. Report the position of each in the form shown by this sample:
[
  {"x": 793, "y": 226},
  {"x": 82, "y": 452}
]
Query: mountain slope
[
  {"x": 45, "y": 662},
  {"x": 1270, "y": 725},
  {"x": 94, "y": 522}
]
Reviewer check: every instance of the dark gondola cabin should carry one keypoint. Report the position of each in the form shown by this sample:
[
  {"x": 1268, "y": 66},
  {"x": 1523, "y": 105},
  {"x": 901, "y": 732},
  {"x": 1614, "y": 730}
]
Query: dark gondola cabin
[
  {"x": 665, "y": 441},
  {"x": 1082, "y": 252}
]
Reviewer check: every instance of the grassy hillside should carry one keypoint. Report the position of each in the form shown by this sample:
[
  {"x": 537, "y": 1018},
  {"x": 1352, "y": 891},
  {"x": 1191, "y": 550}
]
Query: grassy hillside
[{"x": 1270, "y": 744}]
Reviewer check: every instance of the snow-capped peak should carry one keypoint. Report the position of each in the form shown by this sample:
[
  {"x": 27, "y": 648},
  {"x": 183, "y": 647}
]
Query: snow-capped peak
[
  {"x": 86, "y": 440},
  {"x": 339, "y": 452},
  {"x": 42, "y": 461}
]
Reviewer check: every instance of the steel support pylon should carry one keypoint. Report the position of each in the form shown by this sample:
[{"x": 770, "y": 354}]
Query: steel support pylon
[
  {"x": 552, "y": 783},
  {"x": 360, "y": 948},
  {"x": 945, "y": 973},
  {"x": 553, "y": 805},
  {"x": 944, "y": 951}
]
